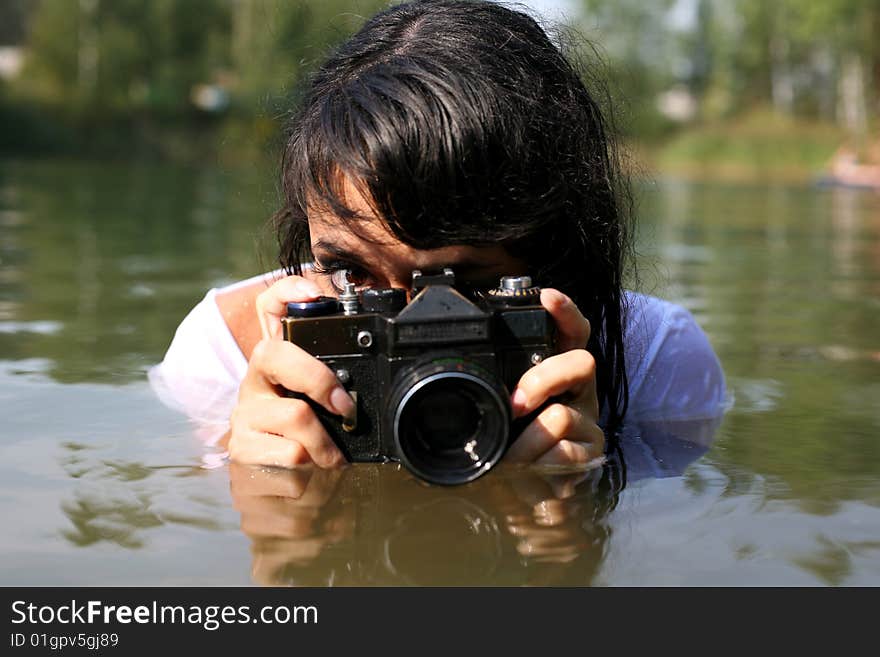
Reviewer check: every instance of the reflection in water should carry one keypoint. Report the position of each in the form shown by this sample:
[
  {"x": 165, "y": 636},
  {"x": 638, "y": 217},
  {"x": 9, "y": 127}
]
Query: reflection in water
[
  {"x": 373, "y": 524},
  {"x": 377, "y": 525},
  {"x": 112, "y": 520},
  {"x": 101, "y": 510},
  {"x": 123, "y": 520},
  {"x": 99, "y": 262}
]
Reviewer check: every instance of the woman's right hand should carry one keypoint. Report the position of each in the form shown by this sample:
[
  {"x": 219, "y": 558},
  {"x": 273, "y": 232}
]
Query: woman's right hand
[{"x": 268, "y": 428}]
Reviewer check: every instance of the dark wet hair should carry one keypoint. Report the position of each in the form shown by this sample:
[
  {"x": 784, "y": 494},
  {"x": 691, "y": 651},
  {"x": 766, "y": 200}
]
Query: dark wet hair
[{"x": 464, "y": 124}]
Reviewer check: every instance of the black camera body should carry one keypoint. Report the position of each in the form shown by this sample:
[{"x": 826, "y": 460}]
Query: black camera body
[{"x": 431, "y": 378}]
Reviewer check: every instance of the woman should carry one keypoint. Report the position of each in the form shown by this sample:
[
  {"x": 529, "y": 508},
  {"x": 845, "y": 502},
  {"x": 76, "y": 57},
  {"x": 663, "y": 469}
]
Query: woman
[{"x": 456, "y": 134}]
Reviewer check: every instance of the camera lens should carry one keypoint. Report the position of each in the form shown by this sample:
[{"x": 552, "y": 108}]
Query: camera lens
[{"x": 450, "y": 421}]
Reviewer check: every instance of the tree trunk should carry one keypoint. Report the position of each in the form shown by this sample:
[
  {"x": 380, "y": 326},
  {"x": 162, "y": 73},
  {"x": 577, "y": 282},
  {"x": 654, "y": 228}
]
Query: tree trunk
[{"x": 852, "y": 102}]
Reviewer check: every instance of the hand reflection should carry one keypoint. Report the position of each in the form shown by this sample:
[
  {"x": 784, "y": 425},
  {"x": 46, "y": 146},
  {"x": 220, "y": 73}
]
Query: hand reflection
[
  {"x": 370, "y": 524},
  {"x": 375, "y": 524},
  {"x": 549, "y": 524},
  {"x": 282, "y": 514}
]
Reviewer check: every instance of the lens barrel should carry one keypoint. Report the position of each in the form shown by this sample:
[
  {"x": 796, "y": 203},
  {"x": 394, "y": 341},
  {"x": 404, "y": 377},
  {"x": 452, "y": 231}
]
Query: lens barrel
[{"x": 449, "y": 419}]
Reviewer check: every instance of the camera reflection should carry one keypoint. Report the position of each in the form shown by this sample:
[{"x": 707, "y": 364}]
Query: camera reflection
[
  {"x": 374, "y": 524},
  {"x": 371, "y": 524}
]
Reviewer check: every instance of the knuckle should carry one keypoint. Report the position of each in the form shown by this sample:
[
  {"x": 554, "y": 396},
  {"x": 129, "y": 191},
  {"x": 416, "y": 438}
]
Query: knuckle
[
  {"x": 533, "y": 379},
  {"x": 325, "y": 452},
  {"x": 294, "y": 455},
  {"x": 584, "y": 361},
  {"x": 236, "y": 449},
  {"x": 301, "y": 429},
  {"x": 572, "y": 451},
  {"x": 299, "y": 414},
  {"x": 259, "y": 355},
  {"x": 567, "y": 448},
  {"x": 240, "y": 419},
  {"x": 321, "y": 380},
  {"x": 560, "y": 419},
  {"x": 326, "y": 458}
]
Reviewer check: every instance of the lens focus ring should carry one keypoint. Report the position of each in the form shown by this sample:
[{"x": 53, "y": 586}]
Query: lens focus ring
[{"x": 450, "y": 421}]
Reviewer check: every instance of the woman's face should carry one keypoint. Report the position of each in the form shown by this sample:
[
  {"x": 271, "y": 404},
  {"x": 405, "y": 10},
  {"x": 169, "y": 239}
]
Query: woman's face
[{"x": 375, "y": 258}]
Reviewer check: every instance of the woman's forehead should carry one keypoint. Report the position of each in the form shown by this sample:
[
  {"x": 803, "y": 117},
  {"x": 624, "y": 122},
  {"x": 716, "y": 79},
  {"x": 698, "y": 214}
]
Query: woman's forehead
[
  {"x": 367, "y": 242},
  {"x": 374, "y": 248}
]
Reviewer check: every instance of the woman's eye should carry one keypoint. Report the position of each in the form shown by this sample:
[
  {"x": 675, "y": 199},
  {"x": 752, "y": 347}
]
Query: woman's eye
[{"x": 339, "y": 276}]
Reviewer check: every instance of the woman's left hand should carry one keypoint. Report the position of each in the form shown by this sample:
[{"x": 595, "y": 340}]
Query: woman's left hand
[{"x": 567, "y": 430}]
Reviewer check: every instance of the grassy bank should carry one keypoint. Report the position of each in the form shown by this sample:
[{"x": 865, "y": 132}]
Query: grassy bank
[
  {"x": 33, "y": 129},
  {"x": 759, "y": 146}
]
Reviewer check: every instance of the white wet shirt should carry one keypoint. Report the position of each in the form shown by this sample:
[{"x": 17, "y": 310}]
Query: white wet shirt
[{"x": 673, "y": 372}]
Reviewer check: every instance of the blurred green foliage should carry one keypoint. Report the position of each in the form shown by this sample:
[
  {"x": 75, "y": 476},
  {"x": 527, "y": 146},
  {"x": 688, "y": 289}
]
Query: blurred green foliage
[
  {"x": 743, "y": 87},
  {"x": 104, "y": 58},
  {"x": 108, "y": 76},
  {"x": 176, "y": 77},
  {"x": 801, "y": 57}
]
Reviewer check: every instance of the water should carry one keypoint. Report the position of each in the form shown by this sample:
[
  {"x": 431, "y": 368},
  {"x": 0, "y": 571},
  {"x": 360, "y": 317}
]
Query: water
[{"x": 100, "y": 484}]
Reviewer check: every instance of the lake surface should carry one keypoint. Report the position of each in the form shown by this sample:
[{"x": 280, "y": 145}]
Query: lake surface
[{"x": 100, "y": 484}]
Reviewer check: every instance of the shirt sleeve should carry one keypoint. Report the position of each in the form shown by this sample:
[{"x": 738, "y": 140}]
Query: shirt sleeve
[
  {"x": 673, "y": 371},
  {"x": 203, "y": 367}
]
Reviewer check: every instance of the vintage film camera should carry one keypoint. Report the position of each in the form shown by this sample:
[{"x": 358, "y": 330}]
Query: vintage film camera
[{"x": 431, "y": 378}]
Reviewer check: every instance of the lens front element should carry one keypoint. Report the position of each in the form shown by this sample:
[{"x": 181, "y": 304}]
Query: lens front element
[{"x": 450, "y": 426}]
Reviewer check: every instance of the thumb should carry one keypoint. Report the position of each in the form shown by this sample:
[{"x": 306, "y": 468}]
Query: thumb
[{"x": 573, "y": 329}]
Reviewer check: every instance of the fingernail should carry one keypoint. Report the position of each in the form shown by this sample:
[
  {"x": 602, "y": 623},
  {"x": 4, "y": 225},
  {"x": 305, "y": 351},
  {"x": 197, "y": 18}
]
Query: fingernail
[
  {"x": 342, "y": 402},
  {"x": 519, "y": 401}
]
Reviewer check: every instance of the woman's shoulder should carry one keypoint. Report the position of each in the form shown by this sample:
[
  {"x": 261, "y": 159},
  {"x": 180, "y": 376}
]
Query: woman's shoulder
[
  {"x": 237, "y": 305},
  {"x": 672, "y": 369},
  {"x": 207, "y": 358}
]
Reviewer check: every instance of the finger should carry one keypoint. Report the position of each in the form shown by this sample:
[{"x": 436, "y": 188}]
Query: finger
[
  {"x": 573, "y": 372},
  {"x": 550, "y": 512},
  {"x": 257, "y": 448},
  {"x": 272, "y": 303},
  {"x": 553, "y": 424},
  {"x": 294, "y": 420},
  {"x": 571, "y": 452},
  {"x": 572, "y": 328},
  {"x": 277, "y": 362}
]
